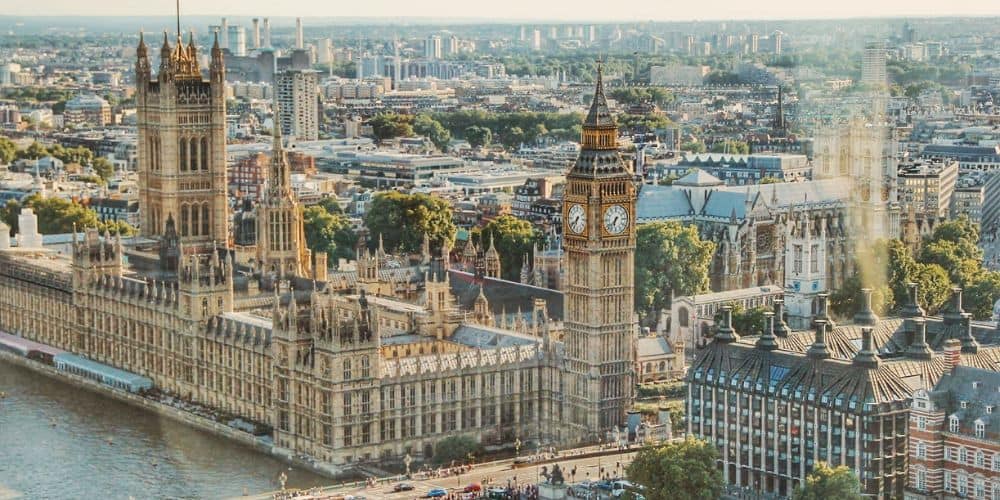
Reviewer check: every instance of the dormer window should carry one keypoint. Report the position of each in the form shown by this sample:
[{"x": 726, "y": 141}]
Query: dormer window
[
  {"x": 989, "y": 409},
  {"x": 964, "y": 404},
  {"x": 980, "y": 429},
  {"x": 953, "y": 424},
  {"x": 976, "y": 384}
]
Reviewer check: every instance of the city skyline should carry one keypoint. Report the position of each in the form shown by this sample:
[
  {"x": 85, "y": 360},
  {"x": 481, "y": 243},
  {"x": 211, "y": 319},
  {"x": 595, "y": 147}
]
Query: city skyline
[{"x": 522, "y": 10}]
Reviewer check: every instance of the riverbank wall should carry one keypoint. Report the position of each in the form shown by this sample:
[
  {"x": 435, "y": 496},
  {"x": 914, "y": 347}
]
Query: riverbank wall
[{"x": 263, "y": 445}]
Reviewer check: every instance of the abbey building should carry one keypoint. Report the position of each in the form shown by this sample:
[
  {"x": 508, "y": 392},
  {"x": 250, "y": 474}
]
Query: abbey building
[{"x": 346, "y": 366}]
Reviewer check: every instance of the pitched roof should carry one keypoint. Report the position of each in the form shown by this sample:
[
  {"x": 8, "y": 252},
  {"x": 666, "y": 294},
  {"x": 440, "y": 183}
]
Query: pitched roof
[{"x": 698, "y": 177}]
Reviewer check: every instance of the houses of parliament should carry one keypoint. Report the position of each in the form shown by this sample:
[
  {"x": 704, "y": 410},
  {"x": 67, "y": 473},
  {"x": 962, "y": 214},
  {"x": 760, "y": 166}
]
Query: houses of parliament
[{"x": 345, "y": 367}]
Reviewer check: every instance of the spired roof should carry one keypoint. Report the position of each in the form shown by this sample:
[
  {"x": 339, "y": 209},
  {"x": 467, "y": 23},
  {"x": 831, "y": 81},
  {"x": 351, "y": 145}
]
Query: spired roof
[{"x": 599, "y": 114}]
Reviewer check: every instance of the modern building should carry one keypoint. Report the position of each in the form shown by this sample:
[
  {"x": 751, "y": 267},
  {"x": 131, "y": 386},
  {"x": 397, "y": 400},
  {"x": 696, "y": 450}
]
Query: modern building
[
  {"x": 739, "y": 170},
  {"x": 432, "y": 47},
  {"x": 296, "y": 92},
  {"x": 926, "y": 187},
  {"x": 88, "y": 110},
  {"x": 873, "y": 65},
  {"x": 678, "y": 75},
  {"x": 955, "y": 434},
  {"x": 970, "y": 158}
]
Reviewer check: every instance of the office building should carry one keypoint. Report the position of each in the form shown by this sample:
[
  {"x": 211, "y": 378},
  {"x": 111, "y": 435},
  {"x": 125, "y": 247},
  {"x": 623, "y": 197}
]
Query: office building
[
  {"x": 873, "y": 65},
  {"x": 296, "y": 92},
  {"x": 432, "y": 47}
]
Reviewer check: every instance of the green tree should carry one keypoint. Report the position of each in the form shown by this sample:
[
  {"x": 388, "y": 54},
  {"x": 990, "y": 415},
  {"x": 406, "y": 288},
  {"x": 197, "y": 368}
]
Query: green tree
[
  {"x": 330, "y": 205},
  {"x": 954, "y": 246},
  {"x": 934, "y": 285},
  {"x": 433, "y": 130},
  {"x": 825, "y": 482},
  {"x": 456, "y": 449},
  {"x": 103, "y": 167},
  {"x": 391, "y": 125},
  {"x": 732, "y": 147},
  {"x": 55, "y": 215},
  {"x": 693, "y": 147},
  {"x": 848, "y": 299},
  {"x": 678, "y": 471},
  {"x": 403, "y": 219},
  {"x": 513, "y": 238},
  {"x": 979, "y": 296},
  {"x": 745, "y": 321},
  {"x": 670, "y": 259},
  {"x": 329, "y": 233},
  {"x": 115, "y": 227},
  {"x": 771, "y": 180},
  {"x": 33, "y": 152},
  {"x": 7, "y": 150},
  {"x": 478, "y": 137}
]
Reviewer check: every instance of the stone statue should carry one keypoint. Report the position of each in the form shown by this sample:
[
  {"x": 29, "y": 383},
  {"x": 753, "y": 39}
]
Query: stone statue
[{"x": 556, "y": 477}]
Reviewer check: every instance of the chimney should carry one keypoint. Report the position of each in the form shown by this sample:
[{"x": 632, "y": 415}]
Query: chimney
[
  {"x": 298, "y": 33},
  {"x": 724, "y": 332},
  {"x": 823, "y": 309},
  {"x": 912, "y": 308},
  {"x": 256, "y": 33},
  {"x": 225, "y": 34},
  {"x": 818, "y": 349},
  {"x": 866, "y": 358},
  {"x": 918, "y": 348},
  {"x": 866, "y": 316},
  {"x": 267, "y": 32},
  {"x": 952, "y": 354},
  {"x": 767, "y": 342},
  {"x": 781, "y": 328},
  {"x": 953, "y": 314},
  {"x": 969, "y": 344}
]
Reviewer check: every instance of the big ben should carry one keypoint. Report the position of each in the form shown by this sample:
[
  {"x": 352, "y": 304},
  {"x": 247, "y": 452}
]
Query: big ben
[{"x": 599, "y": 241}]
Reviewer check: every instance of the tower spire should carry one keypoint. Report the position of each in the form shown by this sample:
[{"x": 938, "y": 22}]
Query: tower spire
[{"x": 178, "y": 19}]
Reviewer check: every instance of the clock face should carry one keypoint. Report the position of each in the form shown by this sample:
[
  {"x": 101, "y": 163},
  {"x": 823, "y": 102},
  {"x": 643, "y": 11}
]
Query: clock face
[
  {"x": 577, "y": 219},
  {"x": 615, "y": 219}
]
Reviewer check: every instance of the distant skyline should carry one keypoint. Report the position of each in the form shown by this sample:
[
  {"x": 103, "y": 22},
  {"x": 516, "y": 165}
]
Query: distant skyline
[{"x": 517, "y": 10}]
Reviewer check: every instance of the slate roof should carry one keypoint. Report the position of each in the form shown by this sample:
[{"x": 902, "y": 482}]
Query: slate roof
[
  {"x": 486, "y": 336},
  {"x": 957, "y": 386},
  {"x": 698, "y": 177},
  {"x": 661, "y": 202},
  {"x": 503, "y": 295},
  {"x": 653, "y": 346}
]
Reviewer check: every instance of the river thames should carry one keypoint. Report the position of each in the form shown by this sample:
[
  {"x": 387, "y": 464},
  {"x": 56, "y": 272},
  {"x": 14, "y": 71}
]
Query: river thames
[{"x": 58, "y": 441}]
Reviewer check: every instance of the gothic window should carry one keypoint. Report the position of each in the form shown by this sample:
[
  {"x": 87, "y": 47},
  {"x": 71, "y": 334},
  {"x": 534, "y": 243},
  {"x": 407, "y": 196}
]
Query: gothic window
[
  {"x": 182, "y": 149},
  {"x": 682, "y": 316},
  {"x": 204, "y": 153},
  {"x": 204, "y": 219},
  {"x": 347, "y": 369},
  {"x": 184, "y": 220},
  {"x": 814, "y": 259},
  {"x": 364, "y": 367},
  {"x": 844, "y": 160},
  {"x": 193, "y": 153},
  {"x": 797, "y": 263},
  {"x": 195, "y": 215}
]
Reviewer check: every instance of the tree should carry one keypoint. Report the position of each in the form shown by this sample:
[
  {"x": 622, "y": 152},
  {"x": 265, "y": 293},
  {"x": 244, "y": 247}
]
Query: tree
[
  {"x": 954, "y": 246},
  {"x": 513, "y": 238},
  {"x": 732, "y": 147},
  {"x": 433, "y": 130},
  {"x": 934, "y": 285},
  {"x": 678, "y": 471},
  {"x": 771, "y": 180},
  {"x": 746, "y": 321},
  {"x": 403, "y": 219},
  {"x": 848, "y": 300},
  {"x": 329, "y": 232},
  {"x": 115, "y": 227},
  {"x": 981, "y": 294},
  {"x": 670, "y": 259},
  {"x": 390, "y": 125},
  {"x": 55, "y": 215},
  {"x": 33, "y": 152},
  {"x": 456, "y": 449},
  {"x": 330, "y": 205},
  {"x": 478, "y": 137},
  {"x": 103, "y": 167},
  {"x": 826, "y": 482},
  {"x": 7, "y": 150},
  {"x": 693, "y": 147}
]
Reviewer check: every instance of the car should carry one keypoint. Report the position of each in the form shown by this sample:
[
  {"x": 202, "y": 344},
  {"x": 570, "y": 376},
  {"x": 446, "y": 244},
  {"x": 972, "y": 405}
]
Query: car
[
  {"x": 402, "y": 487},
  {"x": 473, "y": 487},
  {"x": 436, "y": 492},
  {"x": 497, "y": 493}
]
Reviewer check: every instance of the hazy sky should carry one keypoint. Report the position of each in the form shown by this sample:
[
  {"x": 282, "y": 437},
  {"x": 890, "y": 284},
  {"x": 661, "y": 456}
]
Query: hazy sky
[{"x": 665, "y": 10}]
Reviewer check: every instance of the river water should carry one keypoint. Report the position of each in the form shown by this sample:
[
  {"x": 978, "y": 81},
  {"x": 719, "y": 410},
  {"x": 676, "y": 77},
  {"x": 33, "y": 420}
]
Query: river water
[{"x": 59, "y": 441}]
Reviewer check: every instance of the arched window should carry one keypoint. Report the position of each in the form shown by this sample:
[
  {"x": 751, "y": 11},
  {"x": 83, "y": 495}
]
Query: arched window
[
  {"x": 205, "y": 220},
  {"x": 663, "y": 366},
  {"x": 182, "y": 149},
  {"x": 184, "y": 220},
  {"x": 845, "y": 160},
  {"x": 195, "y": 215},
  {"x": 649, "y": 367},
  {"x": 193, "y": 145},
  {"x": 347, "y": 369},
  {"x": 953, "y": 424},
  {"x": 682, "y": 319},
  {"x": 204, "y": 153}
]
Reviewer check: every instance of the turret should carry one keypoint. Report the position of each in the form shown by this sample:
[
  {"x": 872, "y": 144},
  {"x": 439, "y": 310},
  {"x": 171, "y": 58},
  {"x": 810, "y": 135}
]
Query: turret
[
  {"x": 767, "y": 341},
  {"x": 142, "y": 68},
  {"x": 819, "y": 350},
  {"x": 217, "y": 69},
  {"x": 724, "y": 333},
  {"x": 866, "y": 357},
  {"x": 918, "y": 348},
  {"x": 166, "y": 71},
  {"x": 866, "y": 316}
]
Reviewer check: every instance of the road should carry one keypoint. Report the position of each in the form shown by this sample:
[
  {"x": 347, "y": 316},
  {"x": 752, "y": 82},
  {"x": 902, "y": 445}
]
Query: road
[{"x": 500, "y": 472}]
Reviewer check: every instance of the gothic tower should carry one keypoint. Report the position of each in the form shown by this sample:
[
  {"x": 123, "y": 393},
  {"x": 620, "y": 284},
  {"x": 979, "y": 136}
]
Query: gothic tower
[
  {"x": 281, "y": 241},
  {"x": 182, "y": 145},
  {"x": 599, "y": 229}
]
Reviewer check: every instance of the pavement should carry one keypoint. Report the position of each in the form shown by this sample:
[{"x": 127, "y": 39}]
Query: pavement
[{"x": 500, "y": 473}]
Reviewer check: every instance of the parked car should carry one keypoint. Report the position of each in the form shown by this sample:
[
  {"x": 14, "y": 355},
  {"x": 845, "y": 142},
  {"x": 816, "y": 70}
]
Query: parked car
[
  {"x": 402, "y": 487},
  {"x": 473, "y": 487},
  {"x": 436, "y": 493}
]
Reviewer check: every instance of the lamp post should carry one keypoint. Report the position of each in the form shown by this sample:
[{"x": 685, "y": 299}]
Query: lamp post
[
  {"x": 407, "y": 460},
  {"x": 282, "y": 478},
  {"x": 517, "y": 447}
]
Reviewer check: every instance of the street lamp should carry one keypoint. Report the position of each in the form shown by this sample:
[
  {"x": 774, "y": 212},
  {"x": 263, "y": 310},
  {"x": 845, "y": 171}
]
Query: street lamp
[
  {"x": 407, "y": 460},
  {"x": 517, "y": 447},
  {"x": 283, "y": 478}
]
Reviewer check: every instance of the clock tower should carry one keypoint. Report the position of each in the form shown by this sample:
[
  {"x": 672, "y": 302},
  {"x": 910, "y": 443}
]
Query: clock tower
[{"x": 599, "y": 241}]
